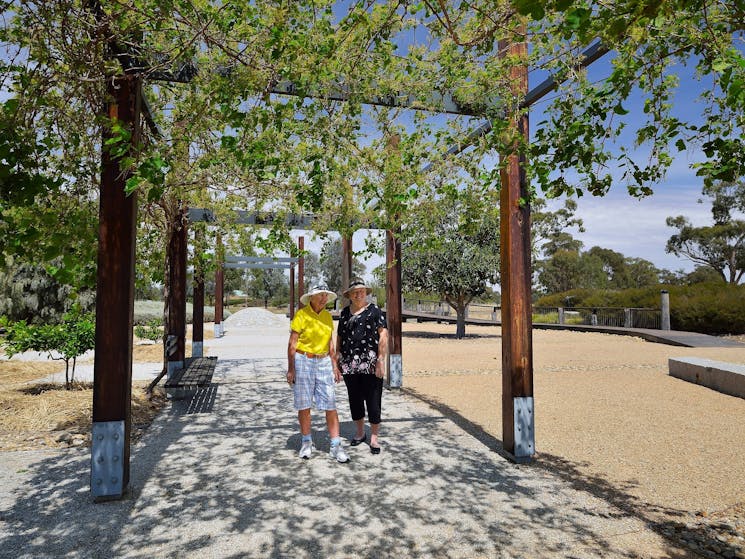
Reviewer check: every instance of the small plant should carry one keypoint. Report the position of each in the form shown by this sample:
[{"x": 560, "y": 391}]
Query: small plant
[
  {"x": 152, "y": 331},
  {"x": 65, "y": 341}
]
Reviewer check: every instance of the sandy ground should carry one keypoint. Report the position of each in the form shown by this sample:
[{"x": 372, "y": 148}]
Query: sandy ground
[{"x": 607, "y": 414}]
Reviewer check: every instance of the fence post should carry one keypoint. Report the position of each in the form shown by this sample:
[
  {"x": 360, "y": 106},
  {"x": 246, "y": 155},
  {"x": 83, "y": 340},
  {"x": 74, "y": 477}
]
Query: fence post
[
  {"x": 665, "y": 305},
  {"x": 627, "y": 319},
  {"x": 561, "y": 314}
]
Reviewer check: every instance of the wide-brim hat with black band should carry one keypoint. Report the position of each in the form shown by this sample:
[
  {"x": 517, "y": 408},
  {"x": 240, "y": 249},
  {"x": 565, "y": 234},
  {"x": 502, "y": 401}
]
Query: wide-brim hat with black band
[
  {"x": 356, "y": 283},
  {"x": 317, "y": 290}
]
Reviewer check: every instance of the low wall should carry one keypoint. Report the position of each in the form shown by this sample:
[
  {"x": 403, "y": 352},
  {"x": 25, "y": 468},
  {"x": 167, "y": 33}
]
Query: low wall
[{"x": 728, "y": 378}]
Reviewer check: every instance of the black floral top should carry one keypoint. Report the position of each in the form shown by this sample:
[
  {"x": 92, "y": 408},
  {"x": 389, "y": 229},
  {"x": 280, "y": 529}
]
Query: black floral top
[{"x": 359, "y": 340}]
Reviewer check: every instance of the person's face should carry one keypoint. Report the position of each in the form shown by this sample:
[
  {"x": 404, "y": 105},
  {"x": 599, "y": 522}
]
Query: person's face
[
  {"x": 358, "y": 295},
  {"x": 319, "y": 300}
]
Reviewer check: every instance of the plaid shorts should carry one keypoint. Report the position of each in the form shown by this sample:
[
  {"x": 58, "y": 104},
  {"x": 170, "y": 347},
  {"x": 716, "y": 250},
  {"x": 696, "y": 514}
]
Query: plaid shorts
[{"x": 314, "y": 380}]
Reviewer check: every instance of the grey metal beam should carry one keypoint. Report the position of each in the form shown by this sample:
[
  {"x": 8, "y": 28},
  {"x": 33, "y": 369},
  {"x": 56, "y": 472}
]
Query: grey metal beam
[
  {"x": 260, "y": 259},
  {"x": 254, "y": 265},
  {"x": 243, "y": 217},
  {"x": 436, "y": 101},
  {"x": 590, "y": 55}
]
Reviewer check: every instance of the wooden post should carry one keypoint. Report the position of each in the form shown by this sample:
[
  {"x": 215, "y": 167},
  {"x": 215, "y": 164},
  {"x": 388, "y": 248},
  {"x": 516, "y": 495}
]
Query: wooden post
[
  {"x": 112, "y": 366},
  {"x": 346, "y": 266},
  {"x": 518, "y": 434},
  {"x": 218, "y": 288},
  {"x": 300, "y": 271},
  {"x": 393, "y": 309},
  {"x": 292, "y": 291},
  {"x": 177, "y": 249},
  {"x": 197, "y": 321}
]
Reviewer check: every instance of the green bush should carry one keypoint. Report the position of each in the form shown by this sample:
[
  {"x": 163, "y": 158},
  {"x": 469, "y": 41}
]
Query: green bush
[
  {"x": 65, "y": 341},
  {"x": 710, "y": 308},
  {"x": 153, "y": 330}
]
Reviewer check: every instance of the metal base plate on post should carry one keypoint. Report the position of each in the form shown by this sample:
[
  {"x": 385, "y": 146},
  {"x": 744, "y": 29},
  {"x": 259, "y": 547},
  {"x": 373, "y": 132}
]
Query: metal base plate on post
[
  {"x": 524, "y": 426},
  {"x": 174, "y": 366},
  {"x": 197, "y": 349},
  {"x": 107, "y": 459},
  {"x": 395, "y": 371}
]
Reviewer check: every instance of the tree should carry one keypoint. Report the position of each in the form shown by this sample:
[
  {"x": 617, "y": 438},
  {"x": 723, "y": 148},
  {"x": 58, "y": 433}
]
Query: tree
[
  {"x": 65, "y": 341},
  {"x": 451, "y": 247},
  {"x": 623, "y": 272},
  {"x": 702, "y": 274},
  {"x": 597, "y": 268},
  {"x": 720, "y": 246},
  {"x": 268, "y": 285},
  {"x": 331, "y": 265},
  {"x": 30, "y": 293},
  {"x": 311, "y": 270},
  {"x": 548, "y": 228},
  {"x": 567, "y": 269}
]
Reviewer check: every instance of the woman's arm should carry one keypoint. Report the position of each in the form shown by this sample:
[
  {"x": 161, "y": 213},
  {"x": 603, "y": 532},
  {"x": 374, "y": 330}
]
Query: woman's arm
[
  {"x": 334, "y": 362},
  {"x": 291, "y": 348},
  {"x": 382, "y": 352}
]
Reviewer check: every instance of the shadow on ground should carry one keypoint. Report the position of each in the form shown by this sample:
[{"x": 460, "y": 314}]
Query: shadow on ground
[{"x": 217, "y": 475}]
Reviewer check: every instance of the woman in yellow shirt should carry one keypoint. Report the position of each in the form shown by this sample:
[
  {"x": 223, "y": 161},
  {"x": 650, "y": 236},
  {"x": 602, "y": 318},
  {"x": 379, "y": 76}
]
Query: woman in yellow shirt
[{"x": 312, "y": 369}]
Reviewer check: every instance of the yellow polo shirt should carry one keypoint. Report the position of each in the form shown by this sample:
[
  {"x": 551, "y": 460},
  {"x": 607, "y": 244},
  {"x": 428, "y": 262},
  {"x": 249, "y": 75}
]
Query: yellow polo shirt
[{"x": 314, "y": 329}]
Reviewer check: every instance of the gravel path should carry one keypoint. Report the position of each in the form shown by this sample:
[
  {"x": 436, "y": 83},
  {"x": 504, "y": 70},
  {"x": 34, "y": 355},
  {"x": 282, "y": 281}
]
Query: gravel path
[{"x": 218, "y": 475}]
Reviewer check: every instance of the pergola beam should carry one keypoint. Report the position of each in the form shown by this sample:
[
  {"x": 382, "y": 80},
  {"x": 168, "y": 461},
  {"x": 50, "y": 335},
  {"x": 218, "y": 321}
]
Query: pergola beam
[{"x": 590, "y": 55}]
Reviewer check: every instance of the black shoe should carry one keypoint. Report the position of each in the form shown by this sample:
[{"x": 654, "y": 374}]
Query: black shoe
[
  {"x": 375, "y": 449},
  {"x": 356, "y": 442}
]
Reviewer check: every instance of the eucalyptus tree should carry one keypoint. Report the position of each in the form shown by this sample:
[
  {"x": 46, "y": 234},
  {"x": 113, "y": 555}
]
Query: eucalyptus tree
[
  {"x": 452, "y": 248},
  {"x": 331, "y": 264}
]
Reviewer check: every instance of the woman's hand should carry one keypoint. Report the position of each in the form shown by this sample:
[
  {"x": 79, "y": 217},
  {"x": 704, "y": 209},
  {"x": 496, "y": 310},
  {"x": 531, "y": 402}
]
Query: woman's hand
[{"x": 380, "y": 368}]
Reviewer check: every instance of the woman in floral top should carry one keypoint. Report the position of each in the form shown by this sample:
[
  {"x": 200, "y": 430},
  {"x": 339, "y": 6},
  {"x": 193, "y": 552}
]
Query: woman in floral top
[{"x": 362, "y": 351}]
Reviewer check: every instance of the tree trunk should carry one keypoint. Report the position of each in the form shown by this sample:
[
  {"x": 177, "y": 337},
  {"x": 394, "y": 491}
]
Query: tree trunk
[{"x": 460, "y": 324}]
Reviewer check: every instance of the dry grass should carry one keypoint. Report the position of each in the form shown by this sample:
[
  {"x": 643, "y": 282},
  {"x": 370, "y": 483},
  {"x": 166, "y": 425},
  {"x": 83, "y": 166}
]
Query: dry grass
[
  {"x": 18, "y": 372},
  {"x": 45, "y": 415}
]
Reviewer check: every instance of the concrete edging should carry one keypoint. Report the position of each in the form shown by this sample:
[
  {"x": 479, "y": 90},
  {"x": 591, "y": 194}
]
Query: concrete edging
[{"x": 728, "y": 378}]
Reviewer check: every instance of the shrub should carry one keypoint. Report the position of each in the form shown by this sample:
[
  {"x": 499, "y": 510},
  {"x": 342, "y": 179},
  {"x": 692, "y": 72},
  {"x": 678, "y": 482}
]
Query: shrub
[
  {"x": 65, "y": 341},
  {"x": 152, "y": 331},
  {"x": 710, "y": 308}
]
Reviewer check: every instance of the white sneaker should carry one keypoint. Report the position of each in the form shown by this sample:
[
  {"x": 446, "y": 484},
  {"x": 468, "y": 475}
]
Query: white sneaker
[
  {"x": 338, "y": 453},
  {"x": 306, "y": 449}
]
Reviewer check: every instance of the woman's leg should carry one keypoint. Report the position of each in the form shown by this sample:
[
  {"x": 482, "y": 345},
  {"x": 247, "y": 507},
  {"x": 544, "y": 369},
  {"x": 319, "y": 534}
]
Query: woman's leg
[
  {"x": 332, "y": 422},
  {"x": 303, "y": 417},
  {"x": 374, "y": 400}
]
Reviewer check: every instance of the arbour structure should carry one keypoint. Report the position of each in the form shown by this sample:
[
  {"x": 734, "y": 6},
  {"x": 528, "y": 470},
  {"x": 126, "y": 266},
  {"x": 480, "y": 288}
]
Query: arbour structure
[{"x": 113, "y": 361}]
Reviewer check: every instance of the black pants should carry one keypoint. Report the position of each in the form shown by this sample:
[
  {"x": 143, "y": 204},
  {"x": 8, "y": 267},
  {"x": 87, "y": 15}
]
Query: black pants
[{"x": 364, "y": 390}]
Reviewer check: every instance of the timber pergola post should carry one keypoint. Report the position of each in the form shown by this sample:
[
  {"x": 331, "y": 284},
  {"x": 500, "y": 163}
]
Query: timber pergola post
[
  {"x": 177, "y": 253},
  {"x": 300, "y": 271},
  {"x": 346, "y": 266},
  {"x": 393, "y": 308},
  {"x": 112, "y": 366},
  {"x": 218, "y": 287},
  {"x": 518, "y": 433},
  {"x": 197, "y": 322}
]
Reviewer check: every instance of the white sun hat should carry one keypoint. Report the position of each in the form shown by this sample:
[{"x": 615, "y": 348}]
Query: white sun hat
[{"x": 316, "y": 290}]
